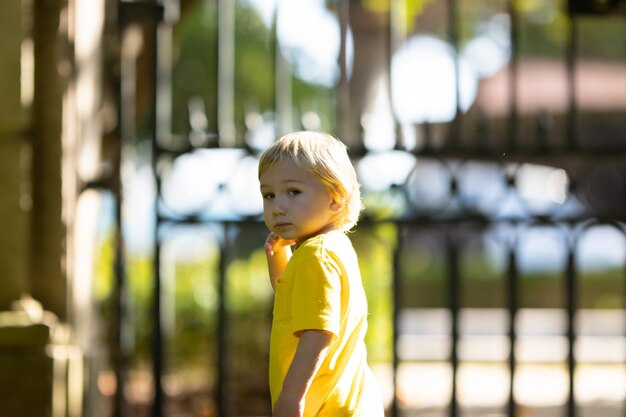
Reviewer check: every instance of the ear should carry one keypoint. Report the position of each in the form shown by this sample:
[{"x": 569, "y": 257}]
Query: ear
[{"x": 336, "y": 205}]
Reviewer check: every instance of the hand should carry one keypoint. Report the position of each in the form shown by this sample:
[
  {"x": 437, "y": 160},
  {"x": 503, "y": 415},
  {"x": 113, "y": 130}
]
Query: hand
[
  {"x": 289, "y": 406},
  {"x": 274, "y": 243}
]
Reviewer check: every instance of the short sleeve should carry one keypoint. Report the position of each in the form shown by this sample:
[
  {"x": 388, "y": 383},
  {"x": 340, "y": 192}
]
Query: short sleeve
[{"x": 316, "y": 297}]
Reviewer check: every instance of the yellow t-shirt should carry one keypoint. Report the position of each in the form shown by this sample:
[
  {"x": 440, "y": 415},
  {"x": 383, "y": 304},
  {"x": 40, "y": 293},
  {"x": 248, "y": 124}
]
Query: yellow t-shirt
[{"x": 321, "y": 289}]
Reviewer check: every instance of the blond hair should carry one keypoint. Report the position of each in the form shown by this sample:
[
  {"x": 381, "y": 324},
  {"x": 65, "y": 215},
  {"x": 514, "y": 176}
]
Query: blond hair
[{"x": 327, "y": 158}]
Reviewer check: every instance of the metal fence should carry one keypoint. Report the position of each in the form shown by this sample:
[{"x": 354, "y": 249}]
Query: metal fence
[{"x": 468, "y": 187}]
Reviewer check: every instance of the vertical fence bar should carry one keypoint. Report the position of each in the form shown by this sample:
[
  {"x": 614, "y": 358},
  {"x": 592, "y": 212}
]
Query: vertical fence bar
[
  {"x": 157, "y": 320},
  {"x": 397, "y": 37},
  {"x": 119, "y": 284},
  {"x": 622, "y": 228},
  {"x": 454, "y": 291},
  {"x": 282, "y": 84},
  {"x": 453, "y": 37},
  {"x": 226, "y": 73},
  {"x": 512, "y": 302},
  {"x": 513, "y": 116},
  {"x": 120, "y": 355},
  {"x": 571, "y": 141},
  {"x": 571, "y": 294},
  {"x": 127, "y": 89},
  {"x": 157, "y": 328},
  {"x": 221, "y": 398},
  {"x": 156, "y": 344},
  {"x": 151, "y": 14},
  {"x": 397, "y": 288},
  {"x": 343, "y": 89}
]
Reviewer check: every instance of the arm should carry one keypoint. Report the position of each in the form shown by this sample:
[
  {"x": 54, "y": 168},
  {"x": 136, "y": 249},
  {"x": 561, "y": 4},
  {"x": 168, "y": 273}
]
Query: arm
[
  {"x": 311, "y": 351},
  {"x": 278, "y": 253}
]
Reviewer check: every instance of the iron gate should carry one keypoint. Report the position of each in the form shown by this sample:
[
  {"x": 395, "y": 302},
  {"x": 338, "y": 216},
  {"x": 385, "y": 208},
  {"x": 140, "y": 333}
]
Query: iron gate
[{"x": 582, "y": 156}]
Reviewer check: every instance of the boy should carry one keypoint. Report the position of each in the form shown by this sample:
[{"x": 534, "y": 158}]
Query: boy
[{"x": 318, "y": 363}]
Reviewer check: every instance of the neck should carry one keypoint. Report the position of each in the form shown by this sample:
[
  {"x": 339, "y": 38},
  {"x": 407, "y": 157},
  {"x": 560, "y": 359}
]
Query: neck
[{"x": 326, "y": 229}]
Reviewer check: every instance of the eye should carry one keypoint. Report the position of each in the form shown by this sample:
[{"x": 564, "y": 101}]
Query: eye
[
  {"x": 268, "y": 196},
  {"x": 293, "y": 192}
]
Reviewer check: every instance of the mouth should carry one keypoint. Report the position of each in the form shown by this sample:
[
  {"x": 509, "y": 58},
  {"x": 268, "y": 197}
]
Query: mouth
[{"x": 281, "y": 226}]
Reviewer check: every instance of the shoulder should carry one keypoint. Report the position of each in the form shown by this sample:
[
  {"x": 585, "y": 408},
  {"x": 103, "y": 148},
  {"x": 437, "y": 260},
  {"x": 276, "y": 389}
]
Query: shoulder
[
  {"x": 332, "y": 245},
  {"x": 326, "y": 248}
]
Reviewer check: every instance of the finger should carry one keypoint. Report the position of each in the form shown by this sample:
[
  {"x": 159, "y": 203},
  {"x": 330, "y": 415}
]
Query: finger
[{"x": 271, "y": 238}]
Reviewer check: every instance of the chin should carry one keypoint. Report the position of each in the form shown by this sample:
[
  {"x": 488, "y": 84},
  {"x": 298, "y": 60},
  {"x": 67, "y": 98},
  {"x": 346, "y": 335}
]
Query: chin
[{"x": 286, "y": 236}]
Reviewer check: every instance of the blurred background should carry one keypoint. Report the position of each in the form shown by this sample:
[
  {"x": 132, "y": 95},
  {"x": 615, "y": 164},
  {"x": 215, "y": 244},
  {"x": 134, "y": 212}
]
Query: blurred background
[{"x": 489, "y": 138}]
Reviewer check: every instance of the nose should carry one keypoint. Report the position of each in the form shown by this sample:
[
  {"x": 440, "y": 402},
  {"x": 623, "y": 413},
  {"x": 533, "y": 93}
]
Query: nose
[{"x": 278, "y": 209}]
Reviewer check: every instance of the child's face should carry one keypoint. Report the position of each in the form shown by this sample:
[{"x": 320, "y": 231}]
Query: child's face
[{"x": 296, "y": 205}]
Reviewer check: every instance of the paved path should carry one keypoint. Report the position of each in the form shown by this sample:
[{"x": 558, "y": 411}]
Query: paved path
[{"x": 541, "y": 382}]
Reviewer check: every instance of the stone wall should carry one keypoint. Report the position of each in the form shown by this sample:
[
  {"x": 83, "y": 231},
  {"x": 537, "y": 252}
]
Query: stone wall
[{"x": 13, "y": 217}]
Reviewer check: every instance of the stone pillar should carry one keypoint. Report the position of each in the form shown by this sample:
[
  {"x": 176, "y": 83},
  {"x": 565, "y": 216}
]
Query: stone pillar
[
  {"x": 26, "y": 370},
  {"x": 46, "y": 278},
  {"x": 40, "y": 371},
  {"x": 13, "y": 218}
]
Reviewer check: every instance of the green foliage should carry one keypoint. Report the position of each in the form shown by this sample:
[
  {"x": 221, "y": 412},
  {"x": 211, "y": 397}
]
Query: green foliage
[
  {"x": 248, "y": 284},
  {"x": 603, "y": 289},
  {"x": 602, "y": 39},
  {"x": 195, "y": 67},
  {"x": 413, "y": 8},
  {"x": 140, "y": 278},
  {"x": 385, "y": 204},
  {"x": 103, "y": 270},
  {"x": 191, "y": 297},
  {"x": 195, "y": 70},
  {"x": 374, "y": 246},
  {"x": 194, "y": 313}
]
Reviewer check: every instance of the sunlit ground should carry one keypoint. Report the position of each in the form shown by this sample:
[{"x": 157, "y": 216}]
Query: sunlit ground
[
  {"x": 424, "y": 390},
  {"x": 483, "y": 388},
  {"x": 424, "y": 378}
]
